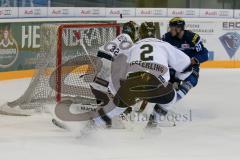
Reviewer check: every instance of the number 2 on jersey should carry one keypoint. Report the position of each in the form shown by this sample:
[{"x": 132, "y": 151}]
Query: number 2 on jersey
[{"x": 148, "y": 49}]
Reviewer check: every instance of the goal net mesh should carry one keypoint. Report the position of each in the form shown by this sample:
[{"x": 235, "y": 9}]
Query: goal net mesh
[{"x": 66, "y": 64}]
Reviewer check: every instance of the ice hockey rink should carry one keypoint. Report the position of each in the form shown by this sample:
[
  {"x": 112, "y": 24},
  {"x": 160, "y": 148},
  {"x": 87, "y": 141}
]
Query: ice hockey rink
[{"x": 213, "y": 133}]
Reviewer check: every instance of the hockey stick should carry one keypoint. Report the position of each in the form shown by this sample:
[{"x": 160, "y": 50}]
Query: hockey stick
[{"x": 78, "y": 37}]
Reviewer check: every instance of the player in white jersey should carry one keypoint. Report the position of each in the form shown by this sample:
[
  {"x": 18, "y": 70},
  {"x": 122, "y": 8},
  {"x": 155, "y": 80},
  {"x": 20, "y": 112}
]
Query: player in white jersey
[
  {"x": 113, "y": 55},
  {"x": 147, "y": 74},
  {"x": 110, "y": 51}
]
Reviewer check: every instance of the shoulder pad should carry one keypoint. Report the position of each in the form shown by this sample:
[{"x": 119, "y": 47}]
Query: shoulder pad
[{"x": 195, "y": 38}]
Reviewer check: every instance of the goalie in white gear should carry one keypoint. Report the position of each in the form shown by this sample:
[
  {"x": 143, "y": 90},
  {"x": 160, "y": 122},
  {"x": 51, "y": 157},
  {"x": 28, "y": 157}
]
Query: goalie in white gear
[
  {"x": 103, "y": 86},
  {"x": 109, "y": 53},
  {"x": 147, "y": 74}
]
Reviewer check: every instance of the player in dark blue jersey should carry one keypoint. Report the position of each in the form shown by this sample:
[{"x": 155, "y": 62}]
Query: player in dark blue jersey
[{"x": 191, "y": 44}]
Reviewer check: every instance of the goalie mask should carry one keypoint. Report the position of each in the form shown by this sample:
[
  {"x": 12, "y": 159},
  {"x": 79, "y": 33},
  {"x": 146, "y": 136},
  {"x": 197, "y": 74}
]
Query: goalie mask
[
  {"x": 147, "y": 30},
  {"x": 131, "y": 28}
]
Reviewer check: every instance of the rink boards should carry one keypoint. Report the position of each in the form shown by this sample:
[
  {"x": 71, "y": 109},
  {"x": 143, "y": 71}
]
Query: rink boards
[{"x": 220, "y": 36}]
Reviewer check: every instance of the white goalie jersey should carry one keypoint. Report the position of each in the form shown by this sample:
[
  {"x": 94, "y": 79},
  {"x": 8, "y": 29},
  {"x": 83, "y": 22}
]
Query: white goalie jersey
[
  {"x": 113, "y": 56},
  {"x": 155, "y": 56},
  {"x": 120, "y": 45}
]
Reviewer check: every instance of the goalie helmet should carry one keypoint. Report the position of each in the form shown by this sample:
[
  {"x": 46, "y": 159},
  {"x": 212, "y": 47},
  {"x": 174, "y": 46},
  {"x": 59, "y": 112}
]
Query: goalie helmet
[
  {"x": 177, "y": 22},
  {"x": 147, "y": 30},
  {"x": 131, "y": 28}
]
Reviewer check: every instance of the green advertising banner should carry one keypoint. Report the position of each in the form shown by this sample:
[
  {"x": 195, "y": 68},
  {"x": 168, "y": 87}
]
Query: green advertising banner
[{"x": 19, "y": 44}]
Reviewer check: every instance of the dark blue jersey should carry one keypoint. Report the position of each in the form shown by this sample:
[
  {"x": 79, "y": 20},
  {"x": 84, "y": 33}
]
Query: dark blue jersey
[{"x": 190, "y": 43}]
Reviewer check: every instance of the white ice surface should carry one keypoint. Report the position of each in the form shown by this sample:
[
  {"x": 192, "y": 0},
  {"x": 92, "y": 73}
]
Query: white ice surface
[{"x": 213, "y": 133}]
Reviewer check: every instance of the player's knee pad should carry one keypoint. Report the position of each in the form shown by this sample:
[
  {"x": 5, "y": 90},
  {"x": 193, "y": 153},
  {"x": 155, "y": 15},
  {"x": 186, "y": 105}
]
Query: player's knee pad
[
  {"x": 193, "y": 78},
  {"x": 187, "y": 85}
]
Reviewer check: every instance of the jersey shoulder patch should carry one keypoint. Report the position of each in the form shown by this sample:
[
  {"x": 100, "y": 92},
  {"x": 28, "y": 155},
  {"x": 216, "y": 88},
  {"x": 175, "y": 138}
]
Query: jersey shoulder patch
[{"x": 194, "y": 37}]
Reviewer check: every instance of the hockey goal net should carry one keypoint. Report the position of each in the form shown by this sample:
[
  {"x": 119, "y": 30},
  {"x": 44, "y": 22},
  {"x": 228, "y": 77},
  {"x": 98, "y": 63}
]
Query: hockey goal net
[{"x": 65, "y": 66}]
